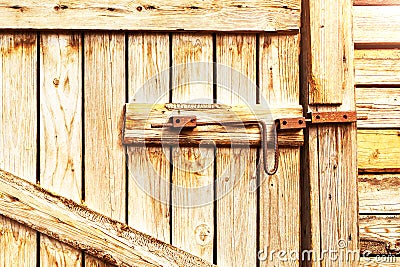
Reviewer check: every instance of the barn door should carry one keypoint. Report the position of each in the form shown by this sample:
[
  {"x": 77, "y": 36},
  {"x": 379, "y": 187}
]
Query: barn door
[{"x": 204, "y": 194}]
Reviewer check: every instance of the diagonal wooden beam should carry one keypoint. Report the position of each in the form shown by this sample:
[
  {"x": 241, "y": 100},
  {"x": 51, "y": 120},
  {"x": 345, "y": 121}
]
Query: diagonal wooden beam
[{"x": 84, "y": 229}]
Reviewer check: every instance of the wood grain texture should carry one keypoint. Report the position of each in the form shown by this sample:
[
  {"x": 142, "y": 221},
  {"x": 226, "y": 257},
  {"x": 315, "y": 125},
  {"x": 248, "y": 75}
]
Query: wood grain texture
[
  {"x": 380, "y": 229},
  {"x": 149, "y": 167},
  {"x": 376, "y": 24},
  {"x": 18, "y": 135},
  {"x": 379, "y": 193},
  {"x": 377, "y": 66},
  {"x": 280, "y": 210},
  {"x": 140, "y": 117},
  {"x": 104, "y": 98},
  {"x": 279, "y": 85},
  {"x": 379, "y": 262},
  {"x": 60, "y": 131},
  {"x": 376, "y": 2},
  {"x": 236, "y": 167},
  {"x": 328, "y": 56},
  {"x": 378, "y": 149},
  {"x": 254, "y": 15},
  {"x": 192, "y": 166},
  {"x": 85, "y": 229},
  {"x": 380, "y": 105},
  {"x": 279, "y": 68},
  {"x": 332, "y": 175}
]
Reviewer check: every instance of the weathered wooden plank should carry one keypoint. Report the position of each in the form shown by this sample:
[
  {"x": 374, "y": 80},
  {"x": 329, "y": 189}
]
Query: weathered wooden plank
[
  {"x": 380, "y": 105},
  {"x": 83, "y": 228},
  {"x": 376, "y": 24},
  {"x": 104, "y": 98},
  {"x": 380, "y": 234},
  {"x": 378, "y": 149},
  {"x": 279, "y": 85},
  {"x": 193, "y": 167},
  {"x": 254, "y": 15},
  {"x": 18, "y": 135},
  {"x": 377, "y": 66},
  {"x": 328, "y": 55},
  {"x": 149, "y": 167},
  {"x": 236, "y": 167},
  {"x": 60, "y": 131},
  {"x": 280, "y": 211},
  {"x": 376, "y": 2},
  {"x": 379, "y": 261},
  {"x": 333, "y": 172},
  {"x": 379, "y": 193},
  {"x": 140, "y": 117}
]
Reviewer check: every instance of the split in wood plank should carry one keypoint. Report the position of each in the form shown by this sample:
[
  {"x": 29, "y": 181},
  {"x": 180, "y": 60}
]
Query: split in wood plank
[
  {"x": 160, "y": 15},
  {"x": 85, "y": 229}
]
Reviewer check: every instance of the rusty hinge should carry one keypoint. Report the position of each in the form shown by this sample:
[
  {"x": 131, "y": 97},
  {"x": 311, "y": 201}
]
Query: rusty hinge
[{"x": 318, "y": 118}]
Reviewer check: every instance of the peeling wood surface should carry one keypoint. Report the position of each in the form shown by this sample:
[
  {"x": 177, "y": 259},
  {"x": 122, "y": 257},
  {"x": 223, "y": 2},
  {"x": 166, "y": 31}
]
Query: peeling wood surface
[
  {"x": 380, "y": 105},
  {"x": 377, "y": 66},
  {"x": 254, "y": 15},
  {"x": 60, "y": 131},
  {"x": 377, "y": 24},
  {"x": 104, "y": 94},
  {"x": 149, "y": 167},
  {"x": 193, "y": 167},
  {"x": 18, "y": 135},
  {"x": 85, "y": 229},
  {"x": 381, "y": 229},
  {"x": 141, "y": 116},
  {"x": 378, "y": 149},
  {"x": 236, "y": 167},
  {"x": 280, "y": 194},
  {"x": 379, "y": 193}
]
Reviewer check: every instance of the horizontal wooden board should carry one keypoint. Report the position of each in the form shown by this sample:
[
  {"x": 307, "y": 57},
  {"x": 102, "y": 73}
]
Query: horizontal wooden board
[
  {"x": 376, "y": 2},
  {"x": 377, "y": 66},
  {"x": 380, "y": 105},
  {"x": 85, "y": 229},
  {"x": 380, "y": 234},
  {"x": 376, "y": 24},
  {"x": 139, "y": 118},
  {"x": 379, "y": 261},
  {"x": 378, "y": 150},
  {"x": 253, "y": 15},
  {"x": 379, "y": 193}
]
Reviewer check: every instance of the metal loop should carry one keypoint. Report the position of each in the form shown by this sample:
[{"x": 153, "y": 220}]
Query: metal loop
[{"x": 263, "y": 129}]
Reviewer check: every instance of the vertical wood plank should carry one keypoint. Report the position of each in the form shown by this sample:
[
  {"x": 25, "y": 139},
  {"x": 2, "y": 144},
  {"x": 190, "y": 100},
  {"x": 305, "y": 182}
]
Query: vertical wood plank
[
  {"x": 104, "y": 99},
  {"x": 149, "y": 167},
  {"x": 236, "y": 167},
  {"x": 327, "y": 66},
  {"x": 334, "y": 178},
  {"x": 18, "y": 135},
  {"x": 60, "y": 131},
  {"x": 280, "y": 193},
  {"x": 192, "y": 226}
]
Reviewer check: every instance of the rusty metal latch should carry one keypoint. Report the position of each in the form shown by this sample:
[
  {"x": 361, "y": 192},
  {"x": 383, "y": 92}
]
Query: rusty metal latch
[{"x": 190, "y": 122}]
